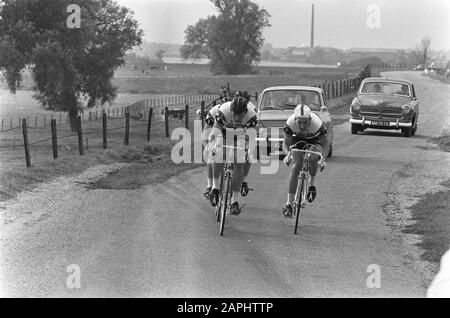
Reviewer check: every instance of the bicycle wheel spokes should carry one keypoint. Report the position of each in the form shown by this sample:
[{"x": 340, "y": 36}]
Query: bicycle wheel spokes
[{"x": 298, "y": 202}]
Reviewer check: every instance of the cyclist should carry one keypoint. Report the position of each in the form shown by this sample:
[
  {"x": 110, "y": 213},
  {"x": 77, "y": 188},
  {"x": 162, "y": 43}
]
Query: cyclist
[
  {"x": 237, "y": 115},
  {"x": 305, "y": 126}
]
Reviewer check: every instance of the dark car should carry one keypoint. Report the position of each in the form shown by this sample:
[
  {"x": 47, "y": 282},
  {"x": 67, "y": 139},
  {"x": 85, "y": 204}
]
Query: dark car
[{"x": 384, "y": 103}]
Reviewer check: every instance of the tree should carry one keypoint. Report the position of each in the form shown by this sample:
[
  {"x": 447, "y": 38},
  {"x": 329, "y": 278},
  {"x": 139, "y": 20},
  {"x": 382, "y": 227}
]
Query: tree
[
  {"x": 196, "y": 40},
  {"x": 72, "y": 67},
  {"x": 423, "y": 52},
  {"x": 232, "y": 39},
  {"x": 160, "y": 54}
]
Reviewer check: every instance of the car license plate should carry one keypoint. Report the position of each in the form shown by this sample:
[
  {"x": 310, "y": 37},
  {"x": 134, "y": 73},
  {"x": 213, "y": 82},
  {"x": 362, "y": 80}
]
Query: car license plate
[{"x": 380, "y": 123}]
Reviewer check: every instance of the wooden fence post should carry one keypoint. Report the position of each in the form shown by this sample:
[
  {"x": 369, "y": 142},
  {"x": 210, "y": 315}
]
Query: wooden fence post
[
  {"x": 202, "y": 113},
  {"x": 54, "y": 139},
  {"x": 149, "y": 123},
  {"x": 80, "y": 136},
  {"x": 25, "y": 142},
  {"x": 166, "y": 121},
  {"x": 127, "y": 128},
  {"x": 186, "y": 116},
  {"x": 105, "y": 131}
]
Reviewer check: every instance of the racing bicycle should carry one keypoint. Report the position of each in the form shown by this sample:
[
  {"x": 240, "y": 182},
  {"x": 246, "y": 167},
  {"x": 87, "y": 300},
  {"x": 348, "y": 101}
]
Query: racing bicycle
[
  {"x": 304, "y": 177},
  {"x": 226, "y": 181}
]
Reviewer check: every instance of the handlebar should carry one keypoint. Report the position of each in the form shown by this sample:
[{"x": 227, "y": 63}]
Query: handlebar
[
  {"x": 230, "y": 147},
  {"x": 307, "y": 151},
  {"x": 235, "y": 126}
]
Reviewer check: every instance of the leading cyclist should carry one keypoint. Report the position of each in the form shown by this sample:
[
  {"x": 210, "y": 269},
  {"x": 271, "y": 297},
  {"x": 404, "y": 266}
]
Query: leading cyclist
[
  {"x": 237, "y": 115},
  {"x": 304, "y": 126}
]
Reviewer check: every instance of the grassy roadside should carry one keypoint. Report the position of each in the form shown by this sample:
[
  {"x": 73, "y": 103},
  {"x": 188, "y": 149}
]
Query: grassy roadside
[
  {"x": 432, "y": 216},
  {"x": 442, "y": 78},
  {"x": 151, "y": 163}
]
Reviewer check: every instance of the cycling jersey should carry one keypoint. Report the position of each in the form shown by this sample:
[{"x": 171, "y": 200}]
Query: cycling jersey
[
  {"x": 315, "y": 133},
  {"x": 211, "y": 116},
  {"x": 226, "y": 116}
]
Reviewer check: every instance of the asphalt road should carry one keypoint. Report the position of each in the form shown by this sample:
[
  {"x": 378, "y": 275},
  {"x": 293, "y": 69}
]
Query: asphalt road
[{"x": 162, "y": 240}]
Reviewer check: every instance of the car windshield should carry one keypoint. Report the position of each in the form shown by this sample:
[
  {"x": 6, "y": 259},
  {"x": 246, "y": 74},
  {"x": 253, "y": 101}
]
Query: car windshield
[
  {"x": 386, "y": 88},
  {"x": 289, "y": 99}
]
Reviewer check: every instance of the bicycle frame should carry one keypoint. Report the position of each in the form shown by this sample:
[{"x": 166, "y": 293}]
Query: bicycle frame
[
  {"x": 226, "y": 184},
  {"x": 304, "y": 177}
]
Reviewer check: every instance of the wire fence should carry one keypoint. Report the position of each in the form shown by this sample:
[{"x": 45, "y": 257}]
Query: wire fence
[{"x": 43, "y": 120}]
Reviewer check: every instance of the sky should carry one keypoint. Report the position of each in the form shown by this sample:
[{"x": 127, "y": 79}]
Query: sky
[{"x": 338, "y": 23}]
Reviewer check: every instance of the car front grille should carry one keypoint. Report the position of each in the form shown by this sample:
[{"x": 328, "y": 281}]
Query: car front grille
[{"x": 377, "y": 112}]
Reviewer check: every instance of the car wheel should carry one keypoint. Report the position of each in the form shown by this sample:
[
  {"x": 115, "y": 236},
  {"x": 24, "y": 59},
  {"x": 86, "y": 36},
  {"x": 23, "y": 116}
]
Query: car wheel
[
  {"x": 330, "y": 151},
  {"x": 414, "y": 129},
  {"x": 408, "y": 131},
  {"x": 355, "y": 129}
]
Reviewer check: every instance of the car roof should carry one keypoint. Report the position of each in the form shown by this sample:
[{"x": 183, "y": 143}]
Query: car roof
[
  {"x": 306, "y": 88},
  {"x": 386, "y": 79}
]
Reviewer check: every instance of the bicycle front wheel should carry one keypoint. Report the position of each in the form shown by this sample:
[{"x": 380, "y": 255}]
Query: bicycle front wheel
[
  {"x": 301, "y": 188},
  {"x": 225, "y": 199},
  {"x": 217, "y": 210}
]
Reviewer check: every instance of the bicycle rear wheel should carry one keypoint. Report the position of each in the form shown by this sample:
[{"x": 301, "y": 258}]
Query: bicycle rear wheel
[
  {"x": 301, "y": 188},
  {"x": 226, "y": 197}
]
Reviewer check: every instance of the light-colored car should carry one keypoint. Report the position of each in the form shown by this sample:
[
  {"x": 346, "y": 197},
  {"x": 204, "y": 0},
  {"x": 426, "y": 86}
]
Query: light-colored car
[
  {"x": 276, "y": 104},
  {"x": 384, "y": 103}
]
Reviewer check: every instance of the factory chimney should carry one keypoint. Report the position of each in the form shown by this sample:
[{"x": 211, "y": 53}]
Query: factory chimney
[{"x": 312, "y": 27}]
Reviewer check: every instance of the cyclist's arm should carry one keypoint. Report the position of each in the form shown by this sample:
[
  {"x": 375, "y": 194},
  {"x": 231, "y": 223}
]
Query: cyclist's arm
[
  {"x": 209, "y": 119},
  {"x": 252, "y": 122},
  {"x": 288, "y": 139}
]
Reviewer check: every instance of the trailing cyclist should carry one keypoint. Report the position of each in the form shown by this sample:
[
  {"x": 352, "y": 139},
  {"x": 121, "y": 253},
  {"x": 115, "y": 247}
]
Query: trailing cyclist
[
  {"x": 305, "y": 126},
  {"x": 235, "y": 117}
]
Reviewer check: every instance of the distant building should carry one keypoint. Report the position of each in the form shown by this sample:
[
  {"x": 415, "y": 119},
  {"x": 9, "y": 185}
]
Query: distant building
[
  {"x": 301, "y": 51},
  {"x": 372, "y": 50}
]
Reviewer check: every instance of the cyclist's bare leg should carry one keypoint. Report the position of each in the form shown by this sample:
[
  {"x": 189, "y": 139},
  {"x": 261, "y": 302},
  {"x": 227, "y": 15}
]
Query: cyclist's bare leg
[
  {"x": 217, "y": 168},
  {"x": 313, "y": 165},
  {"x": 238, "y": 175},
  {"x": 247, "y": 167},
  {"x": 209, "y": 174},
  {"x": 296, "y": 165}
]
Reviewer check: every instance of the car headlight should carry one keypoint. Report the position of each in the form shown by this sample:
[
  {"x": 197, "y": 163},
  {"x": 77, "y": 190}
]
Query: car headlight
[
  {"x": 406, "y": 109},
  {"x": 355, "y": 106}
]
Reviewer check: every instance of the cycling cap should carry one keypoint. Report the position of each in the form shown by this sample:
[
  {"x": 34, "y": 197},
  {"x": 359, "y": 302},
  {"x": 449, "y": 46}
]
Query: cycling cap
[{"x": 302, "y": 111}]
